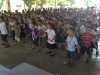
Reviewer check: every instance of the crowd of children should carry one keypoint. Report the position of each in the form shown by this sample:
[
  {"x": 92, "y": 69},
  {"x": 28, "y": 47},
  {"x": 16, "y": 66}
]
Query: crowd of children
[{"x": 74, "y": 29}]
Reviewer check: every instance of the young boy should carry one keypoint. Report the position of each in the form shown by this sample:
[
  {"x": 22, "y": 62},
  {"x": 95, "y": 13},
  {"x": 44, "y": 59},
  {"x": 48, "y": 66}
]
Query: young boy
[
  {"x": 71, "y": 42},
  {"x": 35, "y": 35},
  {"x": 4, "y": 32},
  {"x": 94, "y": 32},
  {"x": 86, "y": 39}
]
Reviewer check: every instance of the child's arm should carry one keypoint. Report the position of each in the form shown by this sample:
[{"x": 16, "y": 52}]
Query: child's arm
[
  {"x": 53, "y": 38},
  {"x": 78, "y": 50},
  {"x": 94, "y": 44},
  {"x": 66, "y": 44},
  {"x": 19, "y": 29}
]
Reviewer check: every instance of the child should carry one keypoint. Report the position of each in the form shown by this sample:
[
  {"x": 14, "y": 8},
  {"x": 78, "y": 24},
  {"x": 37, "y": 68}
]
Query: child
[
  {"x": 96, "y": 37},
  {"x": 86, "y": 39},
  {"x": 51, "y": 44},
  {"x": 71, "y": 42},
  {"x": 12, "y": 28},
  {"x": 4, "y": 32},
  {"x": 35, "y": 35},
  {"x": 42, "y": 36},
  {"x": 22, "y": 34},
  {"x": 17, "y": 32}
]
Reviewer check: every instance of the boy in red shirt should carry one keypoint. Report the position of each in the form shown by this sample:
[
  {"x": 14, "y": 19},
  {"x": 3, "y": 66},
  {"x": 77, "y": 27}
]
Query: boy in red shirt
[{"x": 86, "y": 39}]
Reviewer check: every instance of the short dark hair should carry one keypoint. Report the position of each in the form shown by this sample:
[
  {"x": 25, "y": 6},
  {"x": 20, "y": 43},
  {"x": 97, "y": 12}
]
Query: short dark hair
[
  {"x": 89, "y": 27},
  {"x": 2, "y": 17},
  {"x": 72, "y": 29},
  {"x": 96, "y": 25}
]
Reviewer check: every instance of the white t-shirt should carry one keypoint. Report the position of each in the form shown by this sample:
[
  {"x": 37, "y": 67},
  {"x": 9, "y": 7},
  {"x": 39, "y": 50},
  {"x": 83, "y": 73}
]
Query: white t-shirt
[
  {"x": 93, "y": 32},
  {"x": 12, "y": 25},
  {"x": 82, "y": 29},
  {"x": 51, "y": 34},
  {"x": 43, "y": 27},
  {"x": 3, "y": 28}
]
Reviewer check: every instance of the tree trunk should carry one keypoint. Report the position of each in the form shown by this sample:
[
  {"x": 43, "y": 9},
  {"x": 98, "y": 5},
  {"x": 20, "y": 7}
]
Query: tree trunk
[
  {"x": 8, "y": 4},
  {"x": 37, "y": 3},
  {"x": 24, "y": 5},
  {"x": 55, "y": 3},
  {"x": 42, "y": 2}
]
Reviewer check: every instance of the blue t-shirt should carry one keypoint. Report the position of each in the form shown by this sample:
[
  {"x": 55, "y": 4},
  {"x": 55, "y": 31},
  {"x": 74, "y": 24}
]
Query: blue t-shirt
[{"x": 72, "y": 41}]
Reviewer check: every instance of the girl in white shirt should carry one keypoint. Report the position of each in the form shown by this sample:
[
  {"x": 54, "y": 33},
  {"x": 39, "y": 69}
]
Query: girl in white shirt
[{"x": 51, "y": 44}]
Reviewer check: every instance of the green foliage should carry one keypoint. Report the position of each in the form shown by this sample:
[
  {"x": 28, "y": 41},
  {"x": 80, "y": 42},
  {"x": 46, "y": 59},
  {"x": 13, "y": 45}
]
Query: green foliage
[
  {"x": 72, "y": 1},
  {"x": 29, "y": 2},
  {"x": 1, "y": 3},
  {"x": 87, "y": 2},
  {"x": 61, "y": 2},
  {"x": 48, "y": 1}
]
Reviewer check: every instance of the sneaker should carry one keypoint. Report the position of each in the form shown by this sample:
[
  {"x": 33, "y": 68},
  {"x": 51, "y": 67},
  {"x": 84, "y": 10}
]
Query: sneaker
[
  {"x": 87, "y": 61},
  {"x": 49, "y": 52},
  {"x": 7, "y": 46},
  {"x": 52, "y": 55},
  {"x": 97, "y": 53}
]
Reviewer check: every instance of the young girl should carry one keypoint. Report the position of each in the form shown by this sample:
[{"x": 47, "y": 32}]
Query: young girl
[
  {"x": 22, "y": 34},
  {"x": 17, "y": 32},
  {"x": 51, "y": 45},
  {"x": 35, "y": 34},
  {"x": 12, "y": 28},
  {"x": 71, "y": 42}
]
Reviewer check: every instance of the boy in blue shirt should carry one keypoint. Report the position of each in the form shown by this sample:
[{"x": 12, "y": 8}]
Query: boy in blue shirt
[{"x": 71, "y": 45}]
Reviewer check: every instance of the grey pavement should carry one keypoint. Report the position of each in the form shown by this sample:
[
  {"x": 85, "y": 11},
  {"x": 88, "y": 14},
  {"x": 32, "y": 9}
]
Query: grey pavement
[{"x": 14, "y": 56}]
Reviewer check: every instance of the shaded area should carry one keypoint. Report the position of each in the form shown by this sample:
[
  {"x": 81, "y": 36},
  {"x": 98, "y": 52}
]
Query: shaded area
[{"x": 14, "y": 56}]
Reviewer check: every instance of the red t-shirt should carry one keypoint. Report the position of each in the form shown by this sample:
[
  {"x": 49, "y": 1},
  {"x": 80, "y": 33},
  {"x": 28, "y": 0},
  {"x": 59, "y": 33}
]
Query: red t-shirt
[{"x": 86, "y": 40}]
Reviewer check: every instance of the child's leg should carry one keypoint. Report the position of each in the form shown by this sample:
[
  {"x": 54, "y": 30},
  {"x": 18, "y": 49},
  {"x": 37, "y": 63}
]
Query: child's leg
[
  {"x": 87, "y": 54},
  {"x": 43, "y": 38},
  {"x": 37, "y": 48},
  {"x": 18, "y": 39},
  {"x": 72, "y": 63},
  {"x": 39, "y": 40},
  {"x": 57, "y": 44},
  {"x": 63, "y": 47},
  {"x": 52, "y": 53},
  {"x": 69, "y": 60},
  {"x": 97, "y": 53}
]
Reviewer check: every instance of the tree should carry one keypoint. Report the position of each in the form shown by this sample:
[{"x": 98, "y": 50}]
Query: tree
[
  {"x": 61, "y": 2},
  {"x": 71, "y": 2},
  {"x": 29, "y": 3},
  {"x": 1, "y": 3},
  {"x": 87, "y": 2}
]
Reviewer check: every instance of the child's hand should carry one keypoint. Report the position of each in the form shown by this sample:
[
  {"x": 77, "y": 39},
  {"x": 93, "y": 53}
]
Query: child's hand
[
  {"x": 51, "y": 40},
  {"x": 36, "y": 37},
  {"x": 66, "y": 47},
  {"x": 96, "y": 46}
]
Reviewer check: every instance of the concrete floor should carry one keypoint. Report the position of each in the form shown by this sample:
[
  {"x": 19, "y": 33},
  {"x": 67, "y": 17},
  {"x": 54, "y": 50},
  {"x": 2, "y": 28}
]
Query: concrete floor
[{"x": 13, "y": 56}]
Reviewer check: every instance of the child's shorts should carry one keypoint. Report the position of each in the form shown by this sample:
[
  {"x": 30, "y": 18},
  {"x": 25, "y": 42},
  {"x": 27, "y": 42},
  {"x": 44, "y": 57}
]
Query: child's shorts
[
  {"x": 71, "y": 54},
  {"x": 4, "y": 38},
  {"x": 35, "y": 42},
  {"x": 51, "y": 46},
  {"x": 92, "y": 45},
  {"x": 85, "y": 50}
]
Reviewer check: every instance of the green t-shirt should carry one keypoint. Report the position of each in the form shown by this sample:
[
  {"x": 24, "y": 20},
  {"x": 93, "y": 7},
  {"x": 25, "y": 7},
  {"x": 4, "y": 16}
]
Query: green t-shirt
[{"x": 76, "y": 33}]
